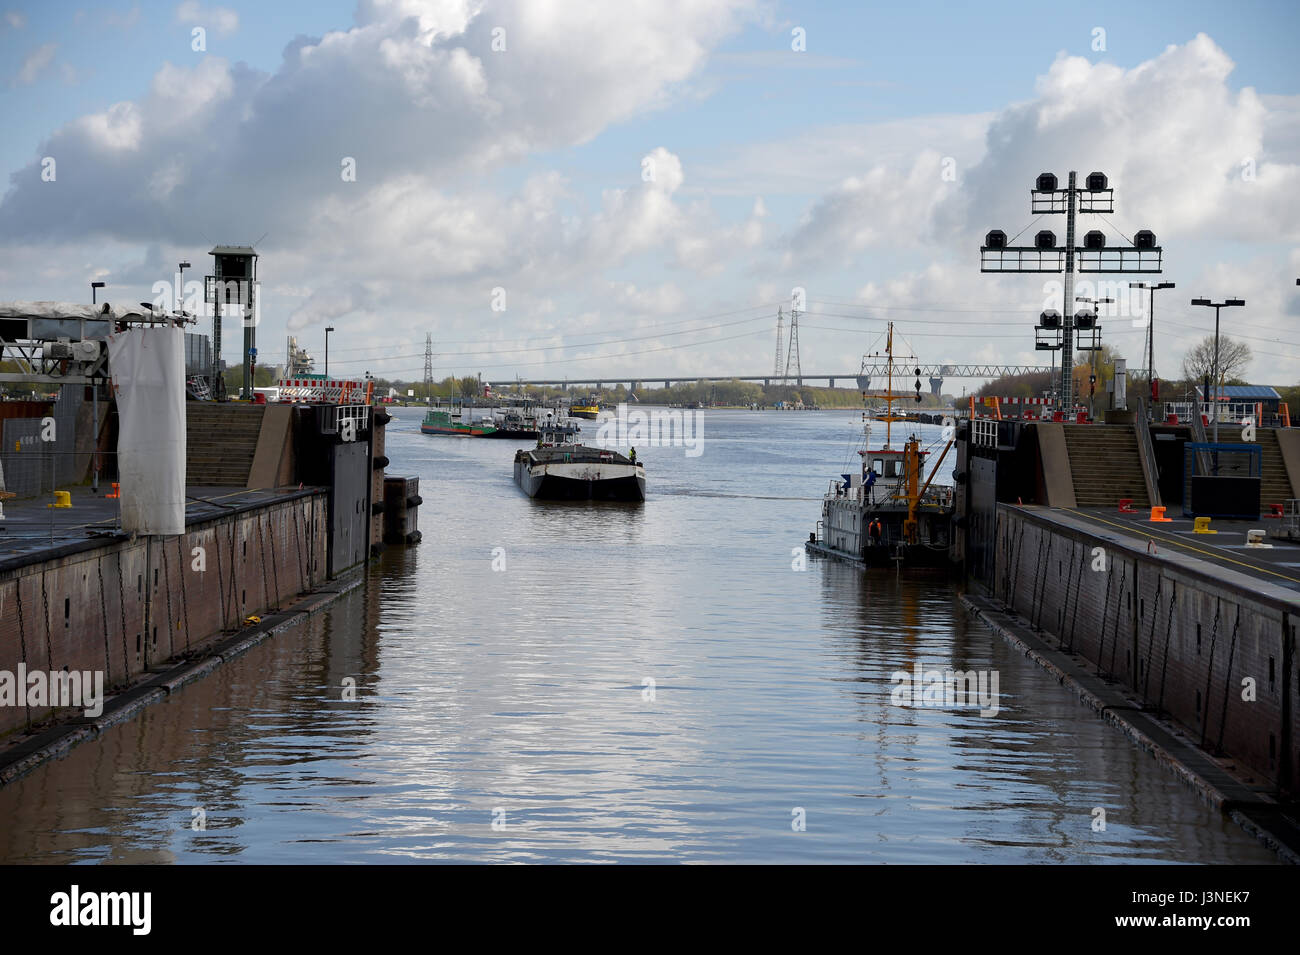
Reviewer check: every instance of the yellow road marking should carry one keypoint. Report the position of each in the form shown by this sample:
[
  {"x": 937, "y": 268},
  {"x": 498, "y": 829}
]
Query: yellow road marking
[{"x": 1181, "y": 543}]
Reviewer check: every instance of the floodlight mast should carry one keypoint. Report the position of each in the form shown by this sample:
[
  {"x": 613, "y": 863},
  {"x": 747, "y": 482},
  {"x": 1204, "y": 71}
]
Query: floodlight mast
[
  {"x": 1095, "y": 197},
  {"x": 1067, "y": 310}
]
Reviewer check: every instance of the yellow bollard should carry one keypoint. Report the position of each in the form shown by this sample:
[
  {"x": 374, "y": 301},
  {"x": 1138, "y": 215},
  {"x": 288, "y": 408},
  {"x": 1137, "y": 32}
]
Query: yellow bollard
[
  {"x": 61, "y": 499},
  {"x": 1202, "y": 526}
]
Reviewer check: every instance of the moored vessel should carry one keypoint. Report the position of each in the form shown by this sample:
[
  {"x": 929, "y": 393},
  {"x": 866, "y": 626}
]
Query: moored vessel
[{"x": 885, "y": 512}]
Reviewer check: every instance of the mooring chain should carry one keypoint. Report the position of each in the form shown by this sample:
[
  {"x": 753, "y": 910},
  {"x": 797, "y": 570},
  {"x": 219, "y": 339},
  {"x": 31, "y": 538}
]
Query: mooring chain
[
  {"x": 1074, "y": 614},
  {"x": 1227, "y": 681},
  {"x": 1065, "y": 602},
  {"x": 1013, "y": 564},
  {"x": 167, "y": 586},
  {"x": 221, "y": 583},
  {"x": 237, "y": 605},
  {"x": 121, "y": 606},
  {"x": 297, "y": 543},
  {"x": 1114, "y": 641},
  {"x": 261, "y": 550},
  {"x": 1151, "y": 639},
  {"x": 45, "y": 601},
  {"x": 185, "y": 603},
  {"x": 1105, "y": 605},
  {"x": 1038, "y": 571},
  {"x": 1209, "y": 673},
  {"x": 1169, "y": 629},
  {"x": 22, "y": 636},
  {"x": 275, "y": 573},
  {"x": 1038, "y": 601},
  {"x": 103, "y": 616}
]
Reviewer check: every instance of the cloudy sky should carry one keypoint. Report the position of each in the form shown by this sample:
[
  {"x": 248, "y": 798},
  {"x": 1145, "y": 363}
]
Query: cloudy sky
[{"x": 634, "y": 188}]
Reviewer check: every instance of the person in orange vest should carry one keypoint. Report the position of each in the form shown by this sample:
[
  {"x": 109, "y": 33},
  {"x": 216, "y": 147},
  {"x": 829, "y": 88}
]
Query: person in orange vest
[{"x": 875, "y": 530}]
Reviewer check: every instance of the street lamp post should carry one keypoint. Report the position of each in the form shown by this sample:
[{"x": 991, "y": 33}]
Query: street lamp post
[
  {"x": 1151, "y": 330},
  {"x": 180, "y": 290},
  {"x": 328, "y": 329},
  {"x": 98, "y": 285},
  {"x": 1214, "y": 379}
]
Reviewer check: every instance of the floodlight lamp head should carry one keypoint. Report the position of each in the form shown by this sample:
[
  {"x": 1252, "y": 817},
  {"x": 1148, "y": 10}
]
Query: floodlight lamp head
[
  {"x": 1200, "y": 301},
  {"x": 1235, "y": 301}
]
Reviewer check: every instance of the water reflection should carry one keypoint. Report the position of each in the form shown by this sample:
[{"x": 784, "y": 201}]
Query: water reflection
[{"x": 519, "y": 696}]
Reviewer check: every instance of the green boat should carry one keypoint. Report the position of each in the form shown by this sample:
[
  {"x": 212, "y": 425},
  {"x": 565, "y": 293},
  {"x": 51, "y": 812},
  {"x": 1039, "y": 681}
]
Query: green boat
[{"x": 439, "y": 421}]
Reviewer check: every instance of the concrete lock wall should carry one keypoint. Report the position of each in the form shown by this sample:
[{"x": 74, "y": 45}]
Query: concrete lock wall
[
  {"x": 131, "y": 604},
  {"x": 1182, "y": 637}
]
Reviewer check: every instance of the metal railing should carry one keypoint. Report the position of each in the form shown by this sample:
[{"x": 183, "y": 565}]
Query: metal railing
[
  {"x": 333, "y": 416},
  {"x": 984, "y": 432},
  {"x": 1230, "y": 412}
]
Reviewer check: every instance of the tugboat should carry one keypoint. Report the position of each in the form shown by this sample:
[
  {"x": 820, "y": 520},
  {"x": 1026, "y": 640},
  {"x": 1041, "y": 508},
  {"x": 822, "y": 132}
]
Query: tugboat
[
  {"x": 559, "y": 470},
  {"x": 884, "y": 513}
]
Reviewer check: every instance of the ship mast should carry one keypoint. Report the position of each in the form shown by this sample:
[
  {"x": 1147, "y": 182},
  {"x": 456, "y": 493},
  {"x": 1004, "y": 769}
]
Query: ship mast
[{"x": 890, "y": 397}]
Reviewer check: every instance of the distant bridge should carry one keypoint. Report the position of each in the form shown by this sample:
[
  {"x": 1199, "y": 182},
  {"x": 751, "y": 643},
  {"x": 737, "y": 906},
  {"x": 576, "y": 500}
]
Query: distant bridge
[{"x": 871, "y": 372}]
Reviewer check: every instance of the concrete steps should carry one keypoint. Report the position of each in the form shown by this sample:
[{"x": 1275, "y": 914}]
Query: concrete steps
[
  {"x": 1104, "y": 465},
  {"x": 1275, "y": 485},
  {"x": 221, "y": 440}
]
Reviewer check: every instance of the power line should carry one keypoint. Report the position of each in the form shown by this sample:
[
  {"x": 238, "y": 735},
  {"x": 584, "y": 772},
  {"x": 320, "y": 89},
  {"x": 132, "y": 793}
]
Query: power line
[
  {"x": 538, "y": 338},
  {"x": 546, "y": 348}
]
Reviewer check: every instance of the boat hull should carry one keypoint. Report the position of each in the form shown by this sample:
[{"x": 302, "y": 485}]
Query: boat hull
[
  {"x": 458, "y": 432},
  {"x": 581, "y": 482}
]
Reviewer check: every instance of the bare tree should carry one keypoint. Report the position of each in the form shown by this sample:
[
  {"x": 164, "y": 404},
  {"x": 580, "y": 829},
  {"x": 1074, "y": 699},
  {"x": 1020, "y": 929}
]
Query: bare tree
[{"x": 1234, "y": 357}]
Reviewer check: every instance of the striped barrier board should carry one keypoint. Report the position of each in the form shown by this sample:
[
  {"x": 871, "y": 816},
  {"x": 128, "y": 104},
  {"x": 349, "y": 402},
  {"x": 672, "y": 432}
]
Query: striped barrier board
[{"x": 326, "y": 391}]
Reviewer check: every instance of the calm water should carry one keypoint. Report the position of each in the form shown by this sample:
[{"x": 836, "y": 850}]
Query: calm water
[{"x": 519, "y": 695}]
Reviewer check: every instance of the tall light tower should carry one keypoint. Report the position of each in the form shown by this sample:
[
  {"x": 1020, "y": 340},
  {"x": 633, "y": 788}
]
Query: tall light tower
[
  {"x": 996, "y": 255},
  {"x": 1214, "y": 378}
]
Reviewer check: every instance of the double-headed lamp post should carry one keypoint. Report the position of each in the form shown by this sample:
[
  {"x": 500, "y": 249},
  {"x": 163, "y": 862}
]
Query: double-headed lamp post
[
  {"x": 328, "y": 329},
  {"x": 1214, "y": 379}
]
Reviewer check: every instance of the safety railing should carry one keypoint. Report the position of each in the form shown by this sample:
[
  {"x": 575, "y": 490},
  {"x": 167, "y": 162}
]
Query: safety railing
[{"x": 984, "y": 432}]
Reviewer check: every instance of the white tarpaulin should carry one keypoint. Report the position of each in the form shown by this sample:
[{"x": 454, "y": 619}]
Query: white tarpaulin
[
  {"x": 73, "y": 311},
  {"x": 148, "y": 368}
]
